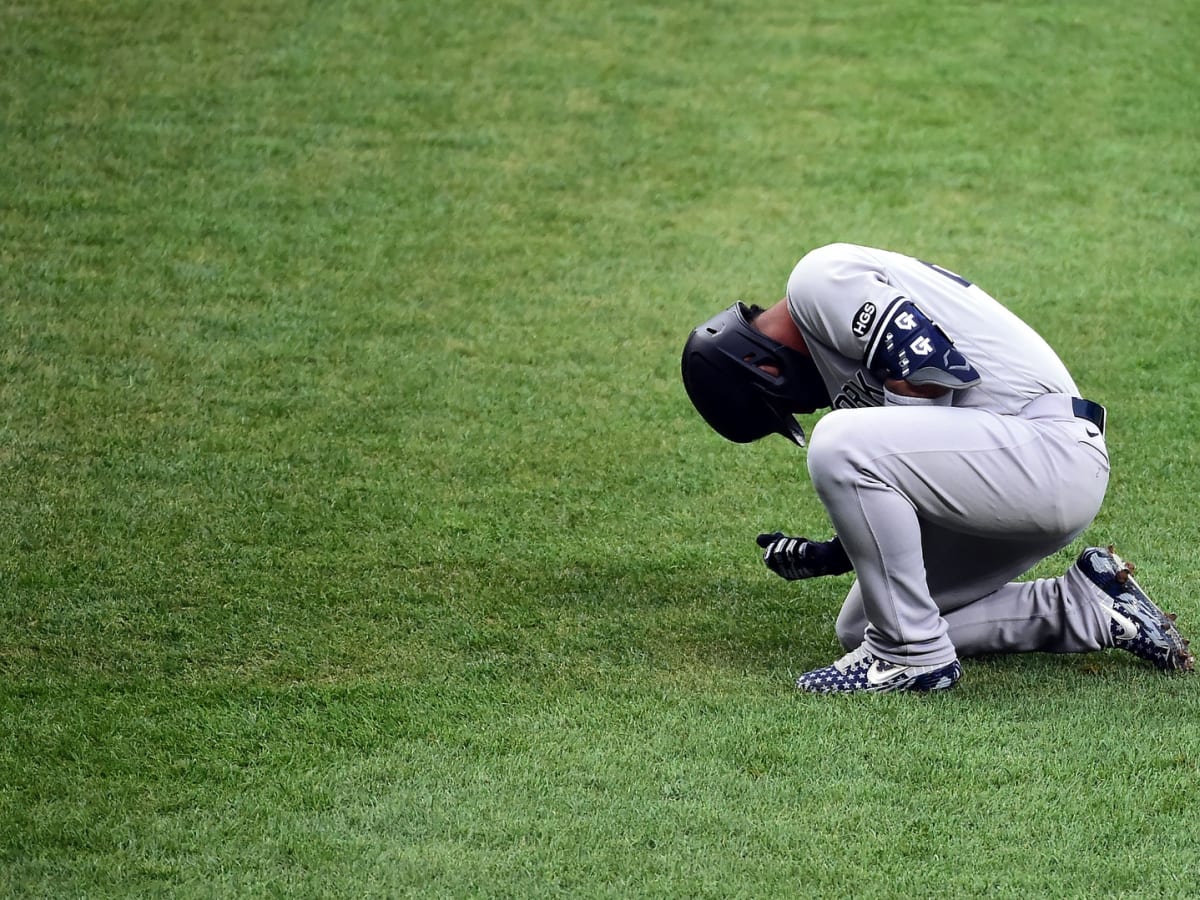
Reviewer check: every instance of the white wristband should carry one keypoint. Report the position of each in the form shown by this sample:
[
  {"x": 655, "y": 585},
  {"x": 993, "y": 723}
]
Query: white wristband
[{"x": 891, "y": 398}]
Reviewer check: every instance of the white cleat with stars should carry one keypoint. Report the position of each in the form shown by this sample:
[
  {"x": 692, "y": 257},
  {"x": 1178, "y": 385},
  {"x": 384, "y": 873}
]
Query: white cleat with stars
[
  {"x": 1135, "y": 622},
  {"x": 861, "y": 671}
]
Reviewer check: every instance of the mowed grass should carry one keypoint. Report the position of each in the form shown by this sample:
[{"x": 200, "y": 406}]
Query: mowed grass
[{"x": 359, "y": 540}]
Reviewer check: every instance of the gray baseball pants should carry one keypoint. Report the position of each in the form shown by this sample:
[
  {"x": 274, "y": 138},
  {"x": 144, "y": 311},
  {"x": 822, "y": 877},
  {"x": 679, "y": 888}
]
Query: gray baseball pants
[{"x": 940, "y": 508}]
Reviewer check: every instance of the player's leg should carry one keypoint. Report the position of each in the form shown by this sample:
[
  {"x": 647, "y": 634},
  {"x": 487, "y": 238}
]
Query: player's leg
[
  {"x": 882, "y": 473},
  {"x": 970, "y": 580},
  {"x": 1096, "y": 603},
  {"x": 988, "y": 612}
]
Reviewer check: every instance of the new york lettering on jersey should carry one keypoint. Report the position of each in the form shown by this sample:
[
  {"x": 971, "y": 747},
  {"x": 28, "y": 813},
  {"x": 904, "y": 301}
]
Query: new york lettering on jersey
[{"x": 858, "y": 393}]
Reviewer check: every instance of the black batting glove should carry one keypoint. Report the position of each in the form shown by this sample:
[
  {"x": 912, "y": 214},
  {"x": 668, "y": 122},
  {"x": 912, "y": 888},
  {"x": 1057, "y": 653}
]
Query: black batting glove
[{"x": 795, "y": 558}]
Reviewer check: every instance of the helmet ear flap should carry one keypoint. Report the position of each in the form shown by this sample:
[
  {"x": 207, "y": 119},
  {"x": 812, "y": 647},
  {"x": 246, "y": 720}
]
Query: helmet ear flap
[
  {"x": 723, "y": 375},
  {"x": 733, "y": 408}
]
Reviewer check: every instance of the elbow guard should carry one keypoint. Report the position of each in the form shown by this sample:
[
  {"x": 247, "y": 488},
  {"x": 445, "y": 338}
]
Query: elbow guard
[{"x": 909, "y": 345}]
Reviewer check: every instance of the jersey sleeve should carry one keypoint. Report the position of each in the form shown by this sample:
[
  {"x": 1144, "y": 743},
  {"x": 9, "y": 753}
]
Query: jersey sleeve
[{"x": 837, "y": 295}]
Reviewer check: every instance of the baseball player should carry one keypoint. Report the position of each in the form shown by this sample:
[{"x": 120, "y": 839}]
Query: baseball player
[{"x": 957, "y": 456}]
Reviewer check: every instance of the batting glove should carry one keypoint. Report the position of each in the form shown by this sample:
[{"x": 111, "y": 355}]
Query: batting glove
[{"x": 795, "y": 558}]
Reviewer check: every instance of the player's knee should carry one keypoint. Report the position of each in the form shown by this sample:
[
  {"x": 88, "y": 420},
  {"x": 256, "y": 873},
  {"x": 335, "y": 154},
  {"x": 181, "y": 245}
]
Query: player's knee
[{"x": 834, "y": 449}]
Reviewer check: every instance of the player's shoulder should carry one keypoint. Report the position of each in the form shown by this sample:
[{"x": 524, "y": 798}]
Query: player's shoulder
[
  {"x": 837, "y": 253},
  {"x": 832, "y": 269},
  {"x": 843, "y": 258}
]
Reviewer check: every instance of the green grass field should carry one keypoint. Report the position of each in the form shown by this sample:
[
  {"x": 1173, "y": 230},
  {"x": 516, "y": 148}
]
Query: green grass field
[{"x": 359, "y": 539}]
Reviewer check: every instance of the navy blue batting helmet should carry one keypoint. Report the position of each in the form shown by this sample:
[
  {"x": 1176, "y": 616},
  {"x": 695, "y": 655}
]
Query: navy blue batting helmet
[{"x": 724, "y": 378}]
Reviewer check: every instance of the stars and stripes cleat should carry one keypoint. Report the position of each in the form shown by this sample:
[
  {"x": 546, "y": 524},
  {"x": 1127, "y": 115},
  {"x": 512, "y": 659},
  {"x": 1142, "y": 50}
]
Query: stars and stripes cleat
[
  {"x": 861, "y": 670},
  {"x": 1135, "y": 621}
]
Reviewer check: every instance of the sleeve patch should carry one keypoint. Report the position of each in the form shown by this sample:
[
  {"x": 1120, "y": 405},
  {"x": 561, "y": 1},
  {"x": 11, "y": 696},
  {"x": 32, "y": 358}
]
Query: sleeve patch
[{"x": 864, "y": 318}]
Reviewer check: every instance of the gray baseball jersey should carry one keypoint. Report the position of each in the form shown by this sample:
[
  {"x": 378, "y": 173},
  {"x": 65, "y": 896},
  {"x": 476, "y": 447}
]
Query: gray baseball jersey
[
  {"x": 941, "y": 506},
  {"x": 838, "y": 296}
]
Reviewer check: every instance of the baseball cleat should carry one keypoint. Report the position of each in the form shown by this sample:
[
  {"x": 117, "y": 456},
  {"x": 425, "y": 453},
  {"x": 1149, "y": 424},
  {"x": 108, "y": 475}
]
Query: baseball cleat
[
  {"x": 1135, "y": 621},
  {"x": 861, "y": 670}
]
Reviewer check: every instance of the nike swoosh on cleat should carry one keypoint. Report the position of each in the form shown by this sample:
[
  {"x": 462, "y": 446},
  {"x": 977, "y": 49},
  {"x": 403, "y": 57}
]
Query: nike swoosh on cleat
[
  {"x": 877, "y": 676},
  {"x": 1128, "y": 630}
]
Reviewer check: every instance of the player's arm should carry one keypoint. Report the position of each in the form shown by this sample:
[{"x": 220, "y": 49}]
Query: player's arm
[
  {"x": 843, "y": 296},
  {"x": 897, "y": 392},
  {"x": 911, "y": 352}
]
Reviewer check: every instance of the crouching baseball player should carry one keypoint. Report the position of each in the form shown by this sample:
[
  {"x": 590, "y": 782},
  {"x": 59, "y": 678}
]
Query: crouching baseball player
[{"x": 958, "y": 455}]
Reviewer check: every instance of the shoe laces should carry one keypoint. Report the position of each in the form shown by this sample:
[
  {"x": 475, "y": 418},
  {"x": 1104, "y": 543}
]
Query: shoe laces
[{"x": 860, "y": 656}]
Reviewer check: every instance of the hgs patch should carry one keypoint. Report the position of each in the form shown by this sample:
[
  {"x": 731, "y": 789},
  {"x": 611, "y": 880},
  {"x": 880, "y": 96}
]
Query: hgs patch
[{"x": 864, "y": 318}]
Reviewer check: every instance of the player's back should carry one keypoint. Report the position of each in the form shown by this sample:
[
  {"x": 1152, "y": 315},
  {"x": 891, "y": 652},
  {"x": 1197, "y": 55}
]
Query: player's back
[{"x": 839, "y": 295}]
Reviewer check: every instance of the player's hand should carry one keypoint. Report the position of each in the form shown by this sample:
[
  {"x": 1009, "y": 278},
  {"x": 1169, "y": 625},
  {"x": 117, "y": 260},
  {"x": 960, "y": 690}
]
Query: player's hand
[{"x": 795, "y": 558}]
